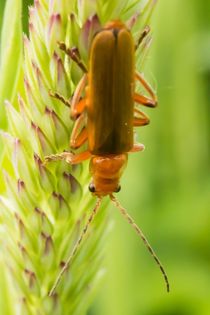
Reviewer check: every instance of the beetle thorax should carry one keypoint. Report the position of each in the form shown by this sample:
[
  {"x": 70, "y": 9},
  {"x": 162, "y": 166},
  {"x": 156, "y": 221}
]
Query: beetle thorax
[{"x": 106, "y": 172}]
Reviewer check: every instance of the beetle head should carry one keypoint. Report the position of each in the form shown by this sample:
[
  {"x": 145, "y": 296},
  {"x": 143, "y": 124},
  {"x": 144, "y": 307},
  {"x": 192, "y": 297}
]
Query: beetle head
[{"x": 106, "y": 172}]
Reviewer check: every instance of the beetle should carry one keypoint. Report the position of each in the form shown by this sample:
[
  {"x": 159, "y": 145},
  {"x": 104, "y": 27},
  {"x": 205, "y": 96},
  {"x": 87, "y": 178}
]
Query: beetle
[{"x": 110, "y": 107}]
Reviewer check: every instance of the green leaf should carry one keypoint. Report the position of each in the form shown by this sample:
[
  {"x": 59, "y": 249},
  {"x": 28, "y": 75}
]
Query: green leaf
[
  {"x": 10, "y": 54},
  {"x": 5, "y": 298}
]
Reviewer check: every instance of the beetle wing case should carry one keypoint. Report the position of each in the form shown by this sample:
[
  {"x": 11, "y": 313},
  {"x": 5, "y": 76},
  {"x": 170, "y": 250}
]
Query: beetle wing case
[{"x": 111, "y": 89}]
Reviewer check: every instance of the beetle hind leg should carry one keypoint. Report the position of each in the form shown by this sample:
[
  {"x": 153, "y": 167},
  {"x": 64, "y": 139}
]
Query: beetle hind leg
[
  {"x": 60, "y": 98},
  {"x": 73, "y": 53},
  {"x": 143, "y": 34},
  {"x": 142, "y": 99}
]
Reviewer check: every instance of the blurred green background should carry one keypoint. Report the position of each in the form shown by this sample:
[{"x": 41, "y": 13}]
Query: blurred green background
[{"x": 166, "y": 188}]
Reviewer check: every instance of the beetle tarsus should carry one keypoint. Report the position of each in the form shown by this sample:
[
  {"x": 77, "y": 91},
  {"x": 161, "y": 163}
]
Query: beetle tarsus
[
  {"x": 60, "y": 98},
  {"x": 144, "y": 33},
  {"x": 73, "y": 53},
  {"x": 64, "y": 156}
]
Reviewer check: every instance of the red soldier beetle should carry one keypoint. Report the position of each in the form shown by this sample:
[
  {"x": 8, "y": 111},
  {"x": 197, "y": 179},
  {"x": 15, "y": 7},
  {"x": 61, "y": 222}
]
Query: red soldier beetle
[{"x": 108, "y": 106}]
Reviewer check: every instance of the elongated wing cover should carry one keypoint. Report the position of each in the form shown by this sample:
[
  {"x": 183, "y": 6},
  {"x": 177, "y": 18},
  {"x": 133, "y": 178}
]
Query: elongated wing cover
[{"x": 110, "y": 92}]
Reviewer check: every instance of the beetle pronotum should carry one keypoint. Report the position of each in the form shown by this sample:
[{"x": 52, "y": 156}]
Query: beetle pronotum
[{"x": 108, "y": 106}]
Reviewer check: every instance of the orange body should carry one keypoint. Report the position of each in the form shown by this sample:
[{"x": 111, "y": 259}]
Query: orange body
[
  {"x": 110, "y": 106},
  {"x": 110, "y": 102},
  {"x": 109, "y": 110},
  {"x": 105, "y": 117}
]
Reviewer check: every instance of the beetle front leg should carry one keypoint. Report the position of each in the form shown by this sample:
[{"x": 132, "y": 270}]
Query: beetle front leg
[
  {"x": 64, "y": 156},
  {"x": 68, "y": 157},
  {"x": 137, "y": 147}
]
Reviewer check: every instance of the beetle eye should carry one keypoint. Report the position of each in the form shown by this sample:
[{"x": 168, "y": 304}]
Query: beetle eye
[
  {"x": 118, "y": 189},
  {"x": 92, "y": 188}
]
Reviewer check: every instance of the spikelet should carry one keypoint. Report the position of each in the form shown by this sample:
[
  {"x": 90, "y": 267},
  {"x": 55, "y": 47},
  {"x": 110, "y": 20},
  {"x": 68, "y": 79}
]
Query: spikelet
[{"x": 44, "y": 208}]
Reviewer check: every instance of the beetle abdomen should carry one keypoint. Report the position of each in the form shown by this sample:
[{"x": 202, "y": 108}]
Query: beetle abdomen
[{"x": 110, "y": 92}]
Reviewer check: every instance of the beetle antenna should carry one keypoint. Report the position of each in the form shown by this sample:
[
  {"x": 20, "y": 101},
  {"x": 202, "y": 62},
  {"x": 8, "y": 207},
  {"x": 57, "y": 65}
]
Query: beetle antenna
[
  {"x": 140, "y": 233},
  {"x": 76, "y": 246}
]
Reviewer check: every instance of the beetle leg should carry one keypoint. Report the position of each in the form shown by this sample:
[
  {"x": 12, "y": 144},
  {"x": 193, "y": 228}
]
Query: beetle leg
[
  {"x": 78, "y": 109},
  {"x": 78, "y": 135},
  {"x": 80, "y": 157},
  {"x": 73, "y": 53},
  {"x": 144, "y": 100},
  {"x": 77, "y": 105},
  {"x": 60, "y": 98},
  {"x": 68, "y": 157},
  {"x": 146, "y": 85},
  {"x": 80, "y": 139},
  {"x": 143, "y": 34},
  {"x": 137, "y": 147},
  {"x": 141, "y": 119}
]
